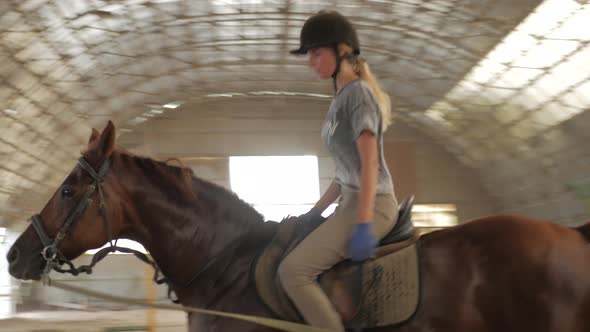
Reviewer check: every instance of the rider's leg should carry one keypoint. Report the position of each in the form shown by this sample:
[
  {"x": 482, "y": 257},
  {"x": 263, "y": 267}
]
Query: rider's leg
[{"x": 323, "y": 248}]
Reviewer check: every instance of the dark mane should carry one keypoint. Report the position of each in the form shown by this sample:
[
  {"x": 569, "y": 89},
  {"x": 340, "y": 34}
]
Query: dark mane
[
  {"x": 181, "y": 183},
  {"x": 237, "y": 209}
]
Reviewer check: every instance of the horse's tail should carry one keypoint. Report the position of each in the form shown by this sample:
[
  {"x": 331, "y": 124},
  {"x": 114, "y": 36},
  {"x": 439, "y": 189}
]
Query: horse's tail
[{"x": 584, "y": 230}]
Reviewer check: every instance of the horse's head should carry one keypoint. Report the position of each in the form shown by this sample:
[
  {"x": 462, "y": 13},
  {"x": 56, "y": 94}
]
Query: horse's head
[{"x": 73, "y": 221}]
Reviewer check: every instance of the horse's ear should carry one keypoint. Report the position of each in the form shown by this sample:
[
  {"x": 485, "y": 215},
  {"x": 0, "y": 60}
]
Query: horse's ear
[
  {"x": 93, "y": 136},
  {"x": 106, "y": 143}
]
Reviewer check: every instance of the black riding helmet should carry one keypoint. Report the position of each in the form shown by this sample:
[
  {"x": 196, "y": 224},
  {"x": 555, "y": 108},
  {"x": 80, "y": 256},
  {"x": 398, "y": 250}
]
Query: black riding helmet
[{"x": 327, "y": 28}]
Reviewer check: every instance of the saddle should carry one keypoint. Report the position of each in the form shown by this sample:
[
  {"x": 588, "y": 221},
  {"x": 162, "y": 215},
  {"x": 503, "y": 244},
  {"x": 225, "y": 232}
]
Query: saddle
[{"x": 382, "y": 291}]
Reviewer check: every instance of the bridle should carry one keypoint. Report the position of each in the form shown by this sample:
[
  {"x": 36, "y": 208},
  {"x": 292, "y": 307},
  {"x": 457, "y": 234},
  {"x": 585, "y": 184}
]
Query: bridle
[{"x": 54, "y": 257}]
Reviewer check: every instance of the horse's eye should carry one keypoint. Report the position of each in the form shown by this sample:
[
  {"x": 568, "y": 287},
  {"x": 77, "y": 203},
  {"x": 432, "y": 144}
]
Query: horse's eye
[{"x": 67, "y": 192}]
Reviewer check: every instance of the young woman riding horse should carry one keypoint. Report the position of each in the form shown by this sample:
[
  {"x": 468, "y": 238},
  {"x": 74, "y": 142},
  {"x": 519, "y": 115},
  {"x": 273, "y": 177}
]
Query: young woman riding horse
[{"x": 353, "y": 133}]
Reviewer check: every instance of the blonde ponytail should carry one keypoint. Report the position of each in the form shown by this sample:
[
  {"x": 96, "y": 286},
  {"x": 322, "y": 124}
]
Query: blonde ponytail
[
  {"x": 361, "y": 67},
  {"x": 383, "y": 99}
]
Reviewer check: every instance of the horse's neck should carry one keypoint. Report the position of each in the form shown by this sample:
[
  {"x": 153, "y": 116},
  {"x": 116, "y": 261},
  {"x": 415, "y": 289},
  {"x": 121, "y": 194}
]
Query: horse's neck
[{"x": 183, "y": 237}]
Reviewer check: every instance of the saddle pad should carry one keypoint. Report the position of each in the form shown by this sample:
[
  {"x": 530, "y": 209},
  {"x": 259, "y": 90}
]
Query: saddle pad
[{"x": 390, "y": 289}]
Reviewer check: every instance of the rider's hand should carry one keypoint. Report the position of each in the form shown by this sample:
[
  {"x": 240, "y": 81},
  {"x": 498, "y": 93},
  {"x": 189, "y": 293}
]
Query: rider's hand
[
  {"x": 312, "y": 214},
  {"x": 362, "y": 243}
]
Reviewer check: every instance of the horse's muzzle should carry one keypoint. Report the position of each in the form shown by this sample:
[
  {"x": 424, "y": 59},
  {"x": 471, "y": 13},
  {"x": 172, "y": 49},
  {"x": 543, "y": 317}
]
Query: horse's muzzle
[{"x": 23, "y": 266}]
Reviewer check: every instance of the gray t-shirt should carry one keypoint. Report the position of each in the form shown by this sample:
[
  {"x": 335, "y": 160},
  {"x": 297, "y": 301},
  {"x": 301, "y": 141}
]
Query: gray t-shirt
[{"x": 353, "y": 110}]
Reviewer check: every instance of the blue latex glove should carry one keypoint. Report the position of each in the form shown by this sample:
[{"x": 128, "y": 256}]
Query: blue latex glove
[{"x": 362, "y": 244}]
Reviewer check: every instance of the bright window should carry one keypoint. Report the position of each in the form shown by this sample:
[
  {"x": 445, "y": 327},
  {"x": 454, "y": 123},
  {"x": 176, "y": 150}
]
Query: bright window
[
  {"x": 430, "y": 217},
  {"x": 6, "y": 302},
  {"x": 124, "y": 243},
  {"x": 276, "y": 186}
]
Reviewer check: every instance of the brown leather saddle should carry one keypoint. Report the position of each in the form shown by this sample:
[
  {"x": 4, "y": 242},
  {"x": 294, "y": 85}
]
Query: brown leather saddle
[{"x": 382, "y": 291}]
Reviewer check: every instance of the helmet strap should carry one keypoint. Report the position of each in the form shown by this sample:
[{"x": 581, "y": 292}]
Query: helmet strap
[
  {"x": 337, "y": 69},
  {"x": 350, "y": 57}
]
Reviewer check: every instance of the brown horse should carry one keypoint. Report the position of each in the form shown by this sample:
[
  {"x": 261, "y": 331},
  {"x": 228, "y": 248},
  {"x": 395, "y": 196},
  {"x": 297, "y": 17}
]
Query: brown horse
[{"x": 501, "y": 273}]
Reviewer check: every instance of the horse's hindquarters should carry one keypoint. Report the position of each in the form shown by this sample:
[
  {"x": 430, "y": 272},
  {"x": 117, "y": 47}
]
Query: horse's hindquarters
[{"x": 504, "y": 274}]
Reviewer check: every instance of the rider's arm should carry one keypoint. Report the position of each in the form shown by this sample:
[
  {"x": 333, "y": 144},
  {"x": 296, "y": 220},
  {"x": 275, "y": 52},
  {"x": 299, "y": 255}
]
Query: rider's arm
[
  {"x": 367, "y": 147},
  {"x": 330, "y": 196}
]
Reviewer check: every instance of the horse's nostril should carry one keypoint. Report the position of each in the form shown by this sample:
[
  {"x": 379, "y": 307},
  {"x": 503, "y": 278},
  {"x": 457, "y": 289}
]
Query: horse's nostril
[{"x": 12, "y": 255}]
